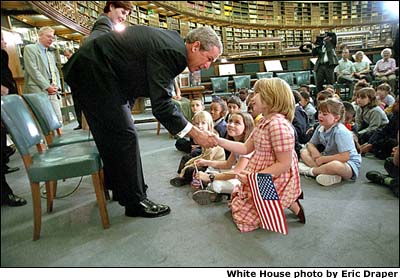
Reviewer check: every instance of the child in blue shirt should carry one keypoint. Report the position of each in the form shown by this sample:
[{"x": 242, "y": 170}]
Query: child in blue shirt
[{"x": 339, "y": 158}]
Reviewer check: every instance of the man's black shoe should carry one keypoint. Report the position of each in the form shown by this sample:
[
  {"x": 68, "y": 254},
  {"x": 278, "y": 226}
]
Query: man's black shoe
[
  {"x": 147, "y": 208},
  {"x": 78, "y": 127},
  {"x": 13, "y": 201},
  {"x": 10, "y": 150},
  {"x": 11, "y": 169}
]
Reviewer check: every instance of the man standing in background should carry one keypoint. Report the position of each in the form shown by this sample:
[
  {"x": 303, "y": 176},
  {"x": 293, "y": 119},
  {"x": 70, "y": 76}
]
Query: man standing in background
[
  {"x": 8, "y": 86},
  {"x": 41, "y": 73},
  {"x": 327, "y": 60}
]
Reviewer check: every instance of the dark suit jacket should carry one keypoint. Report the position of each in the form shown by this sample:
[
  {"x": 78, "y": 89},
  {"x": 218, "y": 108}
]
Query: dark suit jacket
[
  {"x": 141, "y": 61},
  {"x": 7, "y": 79},
  {"x": 103, "y": 25},
  {"x": 330, "y": 46}
]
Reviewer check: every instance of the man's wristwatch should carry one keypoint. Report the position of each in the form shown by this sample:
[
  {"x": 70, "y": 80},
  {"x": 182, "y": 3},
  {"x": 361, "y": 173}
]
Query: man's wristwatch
[{"x": 211, "y": 177}]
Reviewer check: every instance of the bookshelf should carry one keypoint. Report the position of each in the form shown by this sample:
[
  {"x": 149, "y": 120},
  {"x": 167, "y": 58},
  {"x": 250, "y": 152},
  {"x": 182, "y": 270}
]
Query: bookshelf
[{"x": 295, "y": 22}]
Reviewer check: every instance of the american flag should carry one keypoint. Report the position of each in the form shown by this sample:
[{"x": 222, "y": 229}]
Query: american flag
[{"x": 267, "y": 203}]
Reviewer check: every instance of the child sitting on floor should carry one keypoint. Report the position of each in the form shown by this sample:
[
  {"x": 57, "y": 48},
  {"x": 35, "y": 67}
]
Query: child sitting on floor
[
  {"x": 339, "y": 158},
  {"x": 204, "y": 122},
  {"x": 369, "y": 116},
  {"x": 185, "y": 145},
  {"x": 234, "y": 105},
  {"x": 218, "y": 110},
  {"x": 240, "y": 126},
  {"x": 385, "y": 95},
  {"x": 273, "y": 144}
]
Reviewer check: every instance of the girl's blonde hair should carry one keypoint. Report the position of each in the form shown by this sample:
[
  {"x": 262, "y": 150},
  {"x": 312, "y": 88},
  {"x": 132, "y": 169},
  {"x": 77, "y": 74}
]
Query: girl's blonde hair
[
  {"x": 277, "y": 95},
  {"x": 248, "y": 125},
  {"x": 204, "y": 116},
  {"x": 333, "y": 106}
]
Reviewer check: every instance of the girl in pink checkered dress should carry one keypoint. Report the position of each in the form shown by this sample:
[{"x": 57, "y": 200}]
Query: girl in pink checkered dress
[{"x": 273, "y": 144}]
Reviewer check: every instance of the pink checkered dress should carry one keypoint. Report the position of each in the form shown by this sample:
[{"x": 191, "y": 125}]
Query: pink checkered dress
[{"x": 270, "y": 136}]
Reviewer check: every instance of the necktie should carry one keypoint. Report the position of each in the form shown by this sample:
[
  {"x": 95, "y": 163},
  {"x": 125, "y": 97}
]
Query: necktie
[{"x": 52, "y": 69}]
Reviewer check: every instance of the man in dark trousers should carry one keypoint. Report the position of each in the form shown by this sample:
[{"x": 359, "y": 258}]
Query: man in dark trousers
[
  {"x": 110, "y": 71},
  {"x": 8, "y": 86},
  {"x": 327, "y": 60},
  {"x": 115, "y": 12}
]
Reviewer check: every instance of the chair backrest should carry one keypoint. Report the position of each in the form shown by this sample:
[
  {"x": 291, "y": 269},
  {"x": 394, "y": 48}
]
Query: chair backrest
[
  {"x": 268, "y": 74},
  {"x": 20, "y": 123},
  {"x": 220, "y": 84},
  {"x": 43, "y": 111},
  {"x": 287, "y": 76},
  {"x": 302, "y": 77},
  {"x": 242, "y": 81}
]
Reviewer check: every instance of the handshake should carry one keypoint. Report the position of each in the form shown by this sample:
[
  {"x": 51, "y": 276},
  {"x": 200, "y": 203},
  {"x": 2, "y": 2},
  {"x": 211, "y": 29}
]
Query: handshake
[{"x": 205, "y": 139}]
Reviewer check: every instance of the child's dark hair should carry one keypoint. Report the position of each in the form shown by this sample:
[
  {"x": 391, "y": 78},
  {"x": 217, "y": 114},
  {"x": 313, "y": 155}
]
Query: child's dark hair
[
  {"x": 296, "y": 95},
  {"x": 305, "y": 86},
  {"x": 324, "y": 94},
  {"x": 222, "y": 103},
  {"x": 349, "y": 107},
  {"x": 243, "y": 91},
  {"x": 369, "y": 93},
  {"x": 235, "y": 100},
  {"x": 358, "y": 86},
  {"x": 306, "y": 96},
  {"x": 333, "y": 106}
]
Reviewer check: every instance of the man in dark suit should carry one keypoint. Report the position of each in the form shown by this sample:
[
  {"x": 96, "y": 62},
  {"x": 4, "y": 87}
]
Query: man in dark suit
[
  {"x": 8, "y": 86},
  {"x": 110, "y": 71},
  {"x": 115, "y": 12},
  {"x": 327, "y": 60}
]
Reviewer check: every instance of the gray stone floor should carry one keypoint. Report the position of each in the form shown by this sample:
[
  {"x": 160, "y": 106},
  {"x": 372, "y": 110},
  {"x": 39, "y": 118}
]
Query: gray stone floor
[{"x": 352, "y": 224}]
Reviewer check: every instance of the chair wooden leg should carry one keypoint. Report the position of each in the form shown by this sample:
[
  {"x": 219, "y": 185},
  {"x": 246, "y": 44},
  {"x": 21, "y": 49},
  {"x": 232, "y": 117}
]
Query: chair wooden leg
[
  {"x": 49, "y": 195},
  {"x": 102, "y": 183},
  {"x": 54, "y": 184},
  {"x": 37, "y": 210},
  {"x": 98, "y": 188},
  {"x": 158, "y": 127}
]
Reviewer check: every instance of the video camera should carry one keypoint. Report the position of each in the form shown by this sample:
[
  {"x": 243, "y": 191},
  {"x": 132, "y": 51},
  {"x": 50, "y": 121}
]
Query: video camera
[{"x": 320, "y": 39}]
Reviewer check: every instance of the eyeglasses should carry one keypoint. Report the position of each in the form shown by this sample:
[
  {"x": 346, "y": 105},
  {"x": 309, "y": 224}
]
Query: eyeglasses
[{"x": 50, "y": 37}]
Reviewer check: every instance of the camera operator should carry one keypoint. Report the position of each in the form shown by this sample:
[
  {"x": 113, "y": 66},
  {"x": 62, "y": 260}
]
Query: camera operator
[{"x": 327, "y": 60}]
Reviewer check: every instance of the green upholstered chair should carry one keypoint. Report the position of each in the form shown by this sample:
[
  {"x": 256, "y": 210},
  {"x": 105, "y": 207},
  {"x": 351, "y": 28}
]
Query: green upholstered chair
[
  {"x": 287, "y": 76},
  {"x": 50, "y": 165},
  {"x": 302, "y": 77},
  {"x": 343, "y": 90},
  {"x": 242, "y": 82},
  {"x": 268, "y": 74},
  {"x": 220, "y": 86},
  {"x": 44, "y": 113},
  {"x": 41, "y": 107}
]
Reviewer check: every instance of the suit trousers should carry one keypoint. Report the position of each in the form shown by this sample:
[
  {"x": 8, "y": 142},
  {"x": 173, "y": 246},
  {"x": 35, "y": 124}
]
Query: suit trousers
[
  {"x": 110, "y": 121},
  {"x": 325, "y": 76},
  {"x": 55, "y": 102}
]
